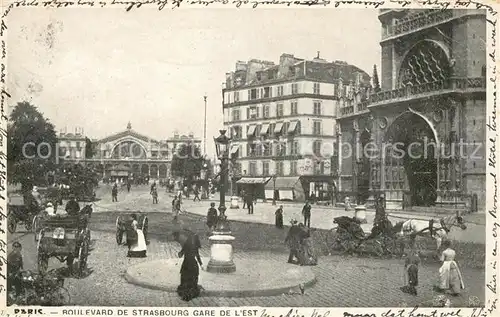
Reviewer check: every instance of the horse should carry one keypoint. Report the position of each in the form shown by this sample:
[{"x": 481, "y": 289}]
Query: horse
[
  {"x": 154, "y": 193},
  {"x": 437, "y": 230}
]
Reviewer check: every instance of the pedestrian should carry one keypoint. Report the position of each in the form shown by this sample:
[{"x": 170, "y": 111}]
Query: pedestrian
[
  {"x": 249, "y": 199},
  {"x": 411, "y": 274},
  {"x": 306, "y": 212},
  {"x": 244, "y": 197},
  {"x": 196, "y": 194},
  {"x": 190, "y": 268},
  {"x": 114, "y": 193},
  {"x": 49, "y": 209},
  {"x": 15, "y": 260},
  {"x": 292, "y": 240},
  {"x": 212, "y": 217},
  {"x": 279, "y": 217},
  {"x": 72, "y": 206},
  {"x": 380, "y": 215},
  {"x": 128, "y": 186},
  {"x": 177, "y": 208},
  {"x": 347, "y": 203},
  {"x": 450, "y": 277}
]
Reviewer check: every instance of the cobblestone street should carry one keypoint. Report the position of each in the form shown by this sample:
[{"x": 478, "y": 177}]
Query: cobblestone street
[{"x": 342, "y": 280}]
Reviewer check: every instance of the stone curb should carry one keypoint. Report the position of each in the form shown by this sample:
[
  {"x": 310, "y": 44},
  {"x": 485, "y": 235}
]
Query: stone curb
[{"x": 273, "y": 291}]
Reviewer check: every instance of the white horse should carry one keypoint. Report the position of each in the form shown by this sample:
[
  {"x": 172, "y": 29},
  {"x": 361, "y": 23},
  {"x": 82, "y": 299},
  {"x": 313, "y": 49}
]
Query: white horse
[{"x": 436, "y": 229}]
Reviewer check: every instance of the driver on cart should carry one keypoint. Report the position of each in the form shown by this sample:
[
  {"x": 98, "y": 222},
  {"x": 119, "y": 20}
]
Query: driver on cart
[{"x": 72, "y": 206}]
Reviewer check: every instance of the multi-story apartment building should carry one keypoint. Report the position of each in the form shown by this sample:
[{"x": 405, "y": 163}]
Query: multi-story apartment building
[
  {"x": 282, "y": 120},
  {"x": 433, "y": 83}
]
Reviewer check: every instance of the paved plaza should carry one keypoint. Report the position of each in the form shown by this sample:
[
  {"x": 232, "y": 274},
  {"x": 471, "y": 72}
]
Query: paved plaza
[{"x": 341, "y": 280}]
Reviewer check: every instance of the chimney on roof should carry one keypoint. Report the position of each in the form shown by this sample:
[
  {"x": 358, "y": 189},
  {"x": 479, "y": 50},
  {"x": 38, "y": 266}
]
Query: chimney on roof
[{"x": 317, "y": 55}]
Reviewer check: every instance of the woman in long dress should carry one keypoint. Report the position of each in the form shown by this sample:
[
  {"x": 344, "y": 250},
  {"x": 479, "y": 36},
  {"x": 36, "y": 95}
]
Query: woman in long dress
[
  {"x": 190, "y": 268},
  {"x": 307, "y": 255},
  {"x": 450, "y": 277},
  {"x": 135, "y": 240}
]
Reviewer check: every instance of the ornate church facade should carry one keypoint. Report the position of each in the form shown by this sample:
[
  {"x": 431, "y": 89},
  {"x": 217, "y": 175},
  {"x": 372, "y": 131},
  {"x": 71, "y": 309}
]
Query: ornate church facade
[{"x": 421, "y": 139}]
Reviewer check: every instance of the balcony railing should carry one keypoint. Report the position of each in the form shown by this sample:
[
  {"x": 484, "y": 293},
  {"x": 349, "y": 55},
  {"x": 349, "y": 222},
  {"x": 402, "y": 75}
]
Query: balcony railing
[
  {"x": 421, "y": 20},
  {"x": 455, "y": 84}
]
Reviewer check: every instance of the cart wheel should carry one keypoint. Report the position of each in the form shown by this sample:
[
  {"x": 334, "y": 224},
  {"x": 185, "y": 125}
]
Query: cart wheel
[
  {"x": 145, "y": 228},
  {"x": 43, "y": 263},
  {"x": 29, "y": 223},
  {"x": 119, "y": 236},
  {"x": 11, "y": 223},
  {"x": 82, "y": 257},
  {"x": 60, "y": 297}
]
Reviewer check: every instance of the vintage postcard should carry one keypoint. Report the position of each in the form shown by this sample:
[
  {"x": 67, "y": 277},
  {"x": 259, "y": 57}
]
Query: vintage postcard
[{"x": 249, "y": 158}]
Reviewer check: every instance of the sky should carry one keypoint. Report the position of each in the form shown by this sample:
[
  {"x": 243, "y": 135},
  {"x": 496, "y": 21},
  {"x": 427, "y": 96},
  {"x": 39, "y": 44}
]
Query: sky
[{"x": 98, "y": 69}]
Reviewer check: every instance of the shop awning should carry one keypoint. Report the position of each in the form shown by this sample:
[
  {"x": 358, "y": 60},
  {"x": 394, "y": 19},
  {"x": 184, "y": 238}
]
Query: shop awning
[
  {"x": 292, "y": 126},
  {"x": 251, "y": 130},
  {"x": 283, "y": 183},
  {"x": 278, "y": 127},
  {"x": 253, "y": 180},
  {"x": 265, "y": 129},
  {"x": 234, "y": 149}
]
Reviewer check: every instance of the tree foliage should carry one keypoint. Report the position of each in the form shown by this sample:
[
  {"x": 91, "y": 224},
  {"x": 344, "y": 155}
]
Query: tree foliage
[
  {"x": 187, "y": 162},
  {"x": 376, "y": 82},
  {"x": 31, "y": 147}
]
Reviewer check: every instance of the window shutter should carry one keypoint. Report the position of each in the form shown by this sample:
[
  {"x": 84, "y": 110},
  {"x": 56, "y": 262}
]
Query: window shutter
[
  {"x": 257, "y": 111},
  {"x": 248, "y": 113},
  {"x": 249, "y": 94}
]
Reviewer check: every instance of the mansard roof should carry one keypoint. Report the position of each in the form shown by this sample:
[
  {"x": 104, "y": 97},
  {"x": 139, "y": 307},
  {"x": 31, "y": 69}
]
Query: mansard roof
[{"x": 128, "y": 132}]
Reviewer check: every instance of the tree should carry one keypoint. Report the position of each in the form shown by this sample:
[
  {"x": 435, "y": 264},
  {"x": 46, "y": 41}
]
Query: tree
[
  {"x": 89, "y": 149},
  {"x": 376, "y": 83},
  {"x": 187, "y": 162},
  {"x": 31, "y": 146}
]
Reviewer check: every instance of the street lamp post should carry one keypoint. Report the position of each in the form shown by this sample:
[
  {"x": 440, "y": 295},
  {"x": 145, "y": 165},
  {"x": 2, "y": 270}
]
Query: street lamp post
[
  {"x": 274, "y": 190},
  {"x": 221, "y": 251}
]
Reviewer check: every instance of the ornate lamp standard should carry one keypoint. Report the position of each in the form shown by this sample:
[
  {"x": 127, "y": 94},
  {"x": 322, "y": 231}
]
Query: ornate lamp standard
[
  {"x": 221, "y": 252},
  {"x": 274, "y": 189}
]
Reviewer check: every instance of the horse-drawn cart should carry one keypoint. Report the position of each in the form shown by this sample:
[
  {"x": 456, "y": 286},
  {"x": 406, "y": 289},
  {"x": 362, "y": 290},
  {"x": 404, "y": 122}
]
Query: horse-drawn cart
[
  {"x": 349, "y": 236},
  {"x": 124, "y": 225},
  {"x": 65, "y": 237}
]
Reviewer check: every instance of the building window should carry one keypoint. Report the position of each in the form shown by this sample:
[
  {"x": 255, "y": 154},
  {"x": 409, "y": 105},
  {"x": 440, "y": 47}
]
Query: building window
[
  {"x": 266, "y": 149},
  {"x": 272, "y": 126},
  {"x": 285, "y": 127},
  {"x": 280, "y": 149},
  {"x": 250, "y": 149},
  {"x": 258, "y": 150},
  {"x": 279, "y": 110},
  {"x": 253, "y": 94},
  {"x": 236, "y": 115},
  {"x": 253, "y": 112},
  {"x": 317, "y": 148},
  {"x": 252, "y": 166},
  {"x": 319, "y": 168},
  {"x": 317, "y": 127},
  {"x": 295, "y": 88},
  {"x": 265, "y": 168},
  {"x": 236, "y": 96},
  {"x": 267, "y": 92},
  {"x": 280, "y": 91},
  {"x": 294, "y": 147},
  {"x": 293, "y": 167},
  {"x": 237, "y": 133},
  {"x": 293, "y": 108},
  {"x": 317, "y": 108},
  {"x": 279, "y": 168},
  {"x": 316, "y": 90},
  {"x": 265, "y": 111}
]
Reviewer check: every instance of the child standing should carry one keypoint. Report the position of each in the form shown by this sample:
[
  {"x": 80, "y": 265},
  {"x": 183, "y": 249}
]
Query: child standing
[{"x": 411, "y": 274}]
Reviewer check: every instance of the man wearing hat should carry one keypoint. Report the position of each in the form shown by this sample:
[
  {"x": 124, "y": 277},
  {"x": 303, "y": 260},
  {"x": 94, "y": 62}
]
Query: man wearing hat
[
  {"x": 293, "y": 240},
  {"x": 15, "y": 260},
  {"x": 37, "y": 199},
  {"x": 72, "y": 206}
]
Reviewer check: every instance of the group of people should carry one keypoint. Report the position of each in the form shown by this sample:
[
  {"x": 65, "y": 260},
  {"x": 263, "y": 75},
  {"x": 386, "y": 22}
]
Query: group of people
[{"x": 300, "y": 243}]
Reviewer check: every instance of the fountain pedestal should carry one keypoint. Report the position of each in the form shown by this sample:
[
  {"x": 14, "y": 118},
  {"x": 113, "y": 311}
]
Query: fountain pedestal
[
  {"x": 221, "y": 254},
  {"x": 360, "y": 213}
]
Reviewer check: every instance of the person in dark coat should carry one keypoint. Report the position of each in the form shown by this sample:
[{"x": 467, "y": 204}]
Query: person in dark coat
[
  {"x": 114, "y": 193},
  {"x": 190, "y": 268},
  {"x": 15, "y": 260},
  {"x": 212, "y": 217},
  {"x": 411, "y": 274},
  {"x": 249, "y": 200},
  {"x": 279, "y": 217},
  {"x": 72, "y": 206},
  {"x": 128, "y": 186},
  {"x": 380, "y": 214},
  {"x": 293, "y": 240},
  {"x": 306, "y": 212}
]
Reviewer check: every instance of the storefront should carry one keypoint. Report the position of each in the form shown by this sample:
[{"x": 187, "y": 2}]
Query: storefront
[
  {"x": 285, "y": 189},
  {"x": 254, "y": 186}
]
